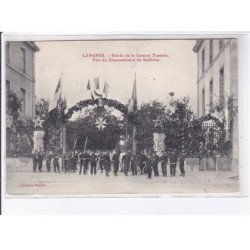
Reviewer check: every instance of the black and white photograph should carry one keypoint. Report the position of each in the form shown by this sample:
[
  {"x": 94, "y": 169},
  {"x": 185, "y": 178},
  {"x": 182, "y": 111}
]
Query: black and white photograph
[{"x": 121, "y": 117}]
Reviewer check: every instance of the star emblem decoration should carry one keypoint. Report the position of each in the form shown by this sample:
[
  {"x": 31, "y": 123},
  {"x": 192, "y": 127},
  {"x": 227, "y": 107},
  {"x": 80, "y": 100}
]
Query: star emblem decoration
[
  {"x": 158, "y": 122},
  {"x": 100, "y": 123},
  {"x": 39, "y": 122}
]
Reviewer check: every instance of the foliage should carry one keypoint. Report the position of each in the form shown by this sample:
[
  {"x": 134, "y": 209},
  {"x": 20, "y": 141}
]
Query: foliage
[
  {"x": 13, "y": 104},
  {"x": 97, "y": 139},
  {"x": 151, "y": 117},
  {"x": 53, "y": 126},
  {"x": 226, "y": 111},
  {"x": 42, "y": 108},
  {"x": 19, "y": 134}
]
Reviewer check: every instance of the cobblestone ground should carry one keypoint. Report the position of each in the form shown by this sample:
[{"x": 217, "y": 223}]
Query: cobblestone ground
[{"x": 20, "y": 180}]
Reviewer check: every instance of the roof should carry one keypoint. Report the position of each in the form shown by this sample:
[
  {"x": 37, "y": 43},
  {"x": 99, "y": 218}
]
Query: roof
[
  {"x": 198, "y": 45},
  {"x": 33, "y": 46}
]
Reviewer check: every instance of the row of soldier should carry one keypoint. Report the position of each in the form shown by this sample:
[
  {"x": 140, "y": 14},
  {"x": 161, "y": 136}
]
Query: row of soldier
[{"x": 144, "y": 163}]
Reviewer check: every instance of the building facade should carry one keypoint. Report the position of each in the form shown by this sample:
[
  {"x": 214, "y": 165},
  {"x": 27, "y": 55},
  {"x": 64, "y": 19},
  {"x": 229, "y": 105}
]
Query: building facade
[
  {"x": 20, "y": 74},
  {"x": 217, "y": 73}
]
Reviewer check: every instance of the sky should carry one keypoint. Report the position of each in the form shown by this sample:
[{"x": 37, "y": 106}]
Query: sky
[{"x": 155, "y": 79}]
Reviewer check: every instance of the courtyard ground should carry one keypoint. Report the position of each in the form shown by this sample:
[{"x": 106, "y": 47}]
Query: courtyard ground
[{"x": 20, "y": 180}]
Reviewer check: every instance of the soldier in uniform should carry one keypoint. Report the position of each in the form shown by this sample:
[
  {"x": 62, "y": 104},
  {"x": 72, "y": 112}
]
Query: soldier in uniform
[
  {"x": 48, "y": 159},
  {"x": 81, "y": 160},
  {"x": 149, "y": 163},
  {"x": 143, "y": 160},
  {"x": 93, "y": 160},
  {"x": 107, "y": 163},
  {"x": 74, "y": 161},
  {"x": 116, "y": 158},
  {"x": 181, "y": 164},
  {"x": 71, "y": 161},
  {"x": 155, "y": 164},
  {"x": 173, "y": 161},
  {"x": 127, "y": 159},
  {"x": 134, "y": 162},
  {"x": 101, "y": 161},
  {"x": 56, "y": 163},
  {"x": 35, "y": 160},
  {"x": 40, "y": 160},
  {"x": 66, "y": 162},
  {"x": 164, "y": 162},
  {"x": 85, "y": 162}
]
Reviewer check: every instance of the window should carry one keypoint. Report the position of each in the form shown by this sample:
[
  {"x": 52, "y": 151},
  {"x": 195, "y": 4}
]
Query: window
[
  {"x": 221, "y": 88},
  {"x": 211, "y": 93},
  {"x": 203, "y": 61},
  {"x": 23, "y": 60},
  {"x": 7, "y": 87},
  {"x": 221, "y": 43},
  {"x": 7, "y": 94},
  {"x": 8, "y": 52},
  {"x": 210, "y": 51},
  {"x": 23, "y": 101},
  {"x": 203, "y": 101}
]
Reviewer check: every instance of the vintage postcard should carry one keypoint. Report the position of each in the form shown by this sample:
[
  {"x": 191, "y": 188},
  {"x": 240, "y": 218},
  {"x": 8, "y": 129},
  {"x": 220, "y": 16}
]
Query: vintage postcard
[{"x": 120, "y": 116}]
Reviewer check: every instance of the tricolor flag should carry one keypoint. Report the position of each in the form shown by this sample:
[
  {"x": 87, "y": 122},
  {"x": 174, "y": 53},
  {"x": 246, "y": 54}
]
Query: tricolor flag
[
  {"x": 106, "y": 88},
  {"x": 132, "y": 105},
  {"x": 97, "y": 94},
  {"x": 89, "y": 87},
  {"x": 57, "y": 96},
  {"x": 96, "y": 80}
]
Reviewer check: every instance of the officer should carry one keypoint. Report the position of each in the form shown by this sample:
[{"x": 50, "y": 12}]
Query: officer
[
  {"x": 149, "y": 163},
  {"x": 134, "y": 162},
  {"x": 116, "y": 158},
  {"x": 173, "y": 161},
  {"x": 56, "y": 163},
  {"x": 48, "y": 159},
  {"x": 181, "y": 164},
  {"x": 164, "y": 162},
  {"x": 93, "y": 160}
]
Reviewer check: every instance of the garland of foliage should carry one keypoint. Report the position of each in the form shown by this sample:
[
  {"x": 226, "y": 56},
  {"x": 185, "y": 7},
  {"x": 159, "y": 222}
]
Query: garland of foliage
[{"x": 132, "y": 116}]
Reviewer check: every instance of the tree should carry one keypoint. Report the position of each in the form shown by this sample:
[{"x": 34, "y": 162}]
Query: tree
[
  {"x": 151, "y": 118},
  {"x": 179, "y": 136}
]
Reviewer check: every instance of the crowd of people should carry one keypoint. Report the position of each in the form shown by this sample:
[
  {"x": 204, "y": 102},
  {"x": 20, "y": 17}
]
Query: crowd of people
[{"x": 82, "y": 162}]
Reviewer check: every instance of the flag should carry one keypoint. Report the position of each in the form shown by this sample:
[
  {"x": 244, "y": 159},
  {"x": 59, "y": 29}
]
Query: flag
[
  {"x": 97, "y": 94},
  {"x": 106, "y": 88},
  {"x": 132, "y": 105},
  {"x": 88, "y": 85},
  {"x": 56, "y": 96},
  {"x": 96, "y": 80}
]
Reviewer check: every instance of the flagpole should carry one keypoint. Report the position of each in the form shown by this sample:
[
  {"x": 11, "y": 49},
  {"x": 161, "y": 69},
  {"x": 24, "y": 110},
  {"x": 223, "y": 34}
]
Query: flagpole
[
  {"x": 63, "y": 129},
  {"x": 134, "y": 128}
]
